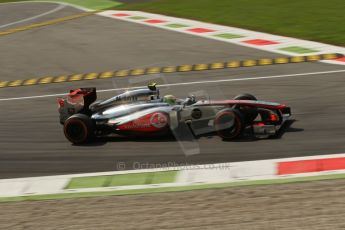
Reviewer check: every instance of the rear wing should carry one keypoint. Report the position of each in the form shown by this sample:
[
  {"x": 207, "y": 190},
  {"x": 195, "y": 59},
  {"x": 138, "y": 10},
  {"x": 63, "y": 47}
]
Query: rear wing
[
  {"x": 77, "y": 101},
  {"x": 84, "y": 96}
]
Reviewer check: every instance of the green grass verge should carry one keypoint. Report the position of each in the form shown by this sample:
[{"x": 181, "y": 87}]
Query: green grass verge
[
  {"x": 122, "y": 180},
  {"x": 174, "y": 189},
  {"x": 90, "y": 4},
  {"x": 317, "y": 20}
]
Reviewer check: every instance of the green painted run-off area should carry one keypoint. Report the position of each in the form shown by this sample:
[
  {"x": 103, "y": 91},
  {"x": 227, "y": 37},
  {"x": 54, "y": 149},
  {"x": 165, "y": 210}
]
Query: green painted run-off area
[{"x": 122, "y": 180}]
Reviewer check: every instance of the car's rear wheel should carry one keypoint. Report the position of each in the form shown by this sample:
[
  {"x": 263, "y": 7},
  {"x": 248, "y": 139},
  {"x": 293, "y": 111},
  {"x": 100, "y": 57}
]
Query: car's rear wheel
[
  {"x": 79, "y": 129},
  {"x": 229, "y": 124}
]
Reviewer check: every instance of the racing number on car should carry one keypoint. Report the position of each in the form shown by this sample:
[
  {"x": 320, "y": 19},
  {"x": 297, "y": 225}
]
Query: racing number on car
[{"x": 159, "y": 120}]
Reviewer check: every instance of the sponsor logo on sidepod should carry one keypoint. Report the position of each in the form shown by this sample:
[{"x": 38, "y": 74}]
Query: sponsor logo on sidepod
[{"x": 159, "y": 120}]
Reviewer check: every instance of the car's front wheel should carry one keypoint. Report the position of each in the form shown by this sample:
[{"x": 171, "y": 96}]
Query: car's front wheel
[
  {"x": 249, "y": 113},
  {"x": 245, "y": 96},
  {"x": 79, "y": 129},
  {"x": 229, "y": 124}
]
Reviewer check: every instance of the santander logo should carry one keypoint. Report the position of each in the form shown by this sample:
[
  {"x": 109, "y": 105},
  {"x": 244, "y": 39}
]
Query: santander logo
[{"x": 159, "y": 120}]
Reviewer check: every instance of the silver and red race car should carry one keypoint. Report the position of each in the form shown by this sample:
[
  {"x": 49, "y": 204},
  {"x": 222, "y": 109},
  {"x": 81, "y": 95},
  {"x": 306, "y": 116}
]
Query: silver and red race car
[{"x": 142, "y": 112}]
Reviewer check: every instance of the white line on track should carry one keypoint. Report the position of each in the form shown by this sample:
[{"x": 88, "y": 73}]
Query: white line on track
[
  {"x": 59, "y": 7},
  {"x": 49, "y": 1},
  {"x": 186, "y": 83}
]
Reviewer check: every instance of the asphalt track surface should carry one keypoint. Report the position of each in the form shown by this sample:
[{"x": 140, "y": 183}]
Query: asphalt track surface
[{"x": 31, "y": 139}]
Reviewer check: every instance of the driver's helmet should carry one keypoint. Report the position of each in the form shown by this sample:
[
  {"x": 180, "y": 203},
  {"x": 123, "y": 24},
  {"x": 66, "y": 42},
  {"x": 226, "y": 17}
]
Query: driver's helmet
[{"x": 169, "y": 99}]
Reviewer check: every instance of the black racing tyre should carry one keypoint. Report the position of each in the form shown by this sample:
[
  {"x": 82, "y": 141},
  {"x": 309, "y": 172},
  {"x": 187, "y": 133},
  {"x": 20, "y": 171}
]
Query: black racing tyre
[
  {"x": 79, "y": 129},
  {"x": 249, "y": 113},
  {"x": 245, "y": 96},
  {"x": 229, "y": 123}
]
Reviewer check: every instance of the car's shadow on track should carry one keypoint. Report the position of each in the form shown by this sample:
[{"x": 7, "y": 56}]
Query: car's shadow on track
[
  {"x": 113, "y": 139},
  {"x": 247, "y": 137},
  {"x": 287, "y": 128}
]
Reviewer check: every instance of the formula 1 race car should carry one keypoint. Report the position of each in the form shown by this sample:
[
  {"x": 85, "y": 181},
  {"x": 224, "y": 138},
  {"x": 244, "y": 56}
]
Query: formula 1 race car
[{"x": 142, "y": 112}]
